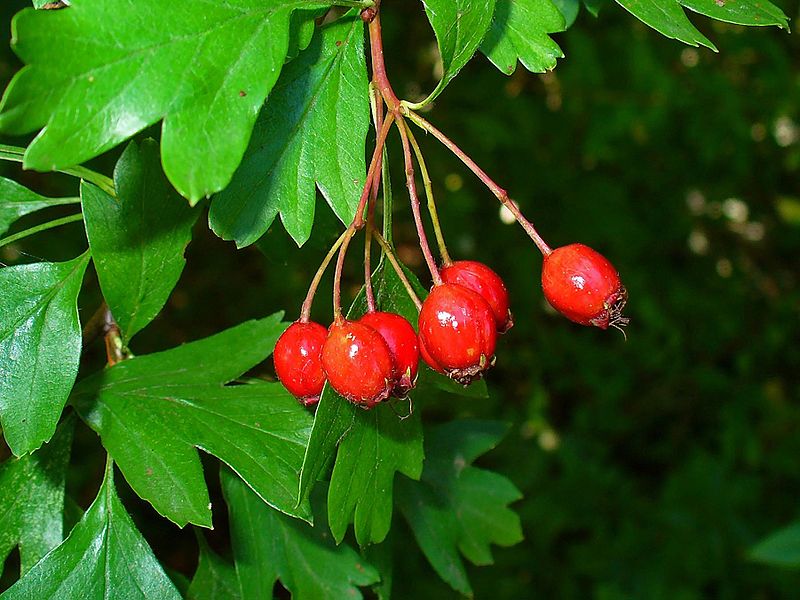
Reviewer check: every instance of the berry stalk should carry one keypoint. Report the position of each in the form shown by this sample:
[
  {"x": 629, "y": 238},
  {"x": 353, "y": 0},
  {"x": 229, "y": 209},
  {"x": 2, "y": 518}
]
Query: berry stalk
[
  {"x": 499, "y": 192},
  {"x": 387, "y": 250},
  {"x": 377, "y": 116},
  {"x": 379, "y": 75},
  {"x": 428, "y": 186},
  {"x": 415, "y": 205},
  {"x": 305, "y": 309},
  {"x": 358, "y": 219}
]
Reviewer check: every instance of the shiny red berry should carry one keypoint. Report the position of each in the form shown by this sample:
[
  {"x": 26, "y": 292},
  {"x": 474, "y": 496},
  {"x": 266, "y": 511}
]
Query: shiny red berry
[
  {"x": 584, "y": 286},
  {"x": 401, "y": 339},
  {"x": 358, "y": 363},
  {"x": 298, "y": 360},
  {"x": 457, "y": 332},
  {"x": 481, "y": 279}
]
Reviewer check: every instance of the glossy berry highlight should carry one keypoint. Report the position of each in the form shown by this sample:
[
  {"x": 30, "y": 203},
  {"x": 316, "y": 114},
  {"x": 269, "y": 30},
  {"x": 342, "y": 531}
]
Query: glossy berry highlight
[
  {"x": 482, "y": 280},
  {"x": 584, "y": 286},
  {"x": 457, "y": 332},
  {"x": 298, "y": 360},
  {"x": 358, "y": 363},
  {"x": 401, "y": 340}
]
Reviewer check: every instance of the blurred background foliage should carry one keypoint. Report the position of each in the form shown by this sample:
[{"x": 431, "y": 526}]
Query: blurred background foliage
[{"x": 649, "y": 467}]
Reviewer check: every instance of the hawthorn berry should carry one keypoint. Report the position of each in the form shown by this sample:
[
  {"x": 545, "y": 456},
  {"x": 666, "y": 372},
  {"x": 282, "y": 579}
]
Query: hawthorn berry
[
  {"x": 358, "y": 363},
  {"x": 457, "y": 332},
  {"x": 584, "y": 286},
  {"x": 401, "y": 340},
  {"x": 298, "y": 360},
  {"x": 482, "y": 280}
]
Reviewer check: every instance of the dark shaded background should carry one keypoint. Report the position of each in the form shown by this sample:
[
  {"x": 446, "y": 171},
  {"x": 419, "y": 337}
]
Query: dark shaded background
[{"x": 649, "y": 467}]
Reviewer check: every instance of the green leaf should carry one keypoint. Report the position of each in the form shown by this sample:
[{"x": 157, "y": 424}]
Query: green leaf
[
  {"x": 269, "y": 546},
  {"x": 301, "y": 30},
  {"x": 740, "y": 12},
  {"x": 459, "y": 25},
  {"x": 138, "y": 238},
  {"x": 382, "y": 557},
  {"x": 215, "y": 578},
  {"x": 32, "y": 497},
  {"x": 16, "y": 201},
  {"x": 40, "y": 346},
  {"x": 99, "y": 72},
  {"x": 593, "y": 6},
  {"x": 781, "y": 548},
  {"x": 457, "y": 507},
  {"x": 152, "y": 411},
  {"x": 378, "y": 444},
  {"x": 436, "y": 532},
  {"x": 103, "y": 557},
  {"x": 372, "y": 445},
  {"x": 667, "y": 17},
  {"x": 311, "y": 131},
  {"x": 519, "y": 33},
  {"x": 569, "y": 9}
]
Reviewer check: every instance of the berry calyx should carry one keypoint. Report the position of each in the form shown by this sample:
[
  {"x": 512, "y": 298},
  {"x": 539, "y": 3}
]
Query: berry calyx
[
  {"x": 358, "y": 363},
  {"x": 298, "y": 360},
  {"x": 584, "y": 286},
  {"x": 401, "y": 339},
  {"x": 482, "y": 280},
  {"x": 457, "y": 332}
]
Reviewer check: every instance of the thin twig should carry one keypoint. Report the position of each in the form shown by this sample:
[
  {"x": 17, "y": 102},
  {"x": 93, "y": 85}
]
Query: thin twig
[
  {"x": 499, "y": 192},
  {"x": 415, "y": 206},
  {"x": 387, "y": 249}
]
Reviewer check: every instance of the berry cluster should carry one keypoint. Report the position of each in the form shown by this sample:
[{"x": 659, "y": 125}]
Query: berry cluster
[{"x": 376, "y": 357}]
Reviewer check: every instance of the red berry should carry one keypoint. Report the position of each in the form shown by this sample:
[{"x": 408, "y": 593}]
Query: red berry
[
  {"x": 358, "y": 363},
  {"x": 298, "y": 360},
  {"x": 584, "y": 286},
  {"x": 457, "y": 332},
  {"x": 401, "y": 339},
  {"x": 481, "y": 279}
]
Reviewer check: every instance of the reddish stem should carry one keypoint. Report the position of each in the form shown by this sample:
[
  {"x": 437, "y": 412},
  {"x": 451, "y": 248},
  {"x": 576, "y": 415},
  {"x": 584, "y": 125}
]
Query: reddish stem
[
  {"x": 387, "y": 249},
  {"x": 379, "y": 75},
  {"x": 377, "y": 108},
  {"x": 115, "y": 351},
  {"x": 305, "y": 310},
  {"x": 415, "y": 207},
  {"x": 499, "y": 192},
  {"x": 358, "y": 219}
]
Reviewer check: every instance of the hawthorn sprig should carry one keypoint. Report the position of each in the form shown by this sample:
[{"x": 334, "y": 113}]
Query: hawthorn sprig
[{"x": 376, "y": 357}]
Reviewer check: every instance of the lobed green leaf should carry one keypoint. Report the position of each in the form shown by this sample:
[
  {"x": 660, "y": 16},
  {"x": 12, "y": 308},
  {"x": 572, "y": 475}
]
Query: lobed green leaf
[
  {"x": 459, "y": 25},
  {"x": 100, "y": 71},
  {"x": 215, "y": 578},
  {"x": 138, "y": 238},
  {"x": 32, "y": 499},
  {"x": 519, "y": 33},
  {"x": 457, "y": 508},
  {"x": 667, "y": 16},
  {"x": 104, "y": 556},
  {"x": 372, "y": 445},
  {"x": 153, "y": 411},
  {"x": 311, "y": 133},
  {"x": 40, "y": 346},
  {"x": 268, "y": 546}
]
